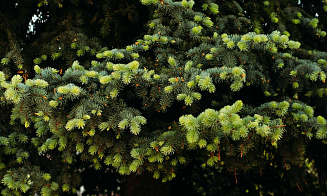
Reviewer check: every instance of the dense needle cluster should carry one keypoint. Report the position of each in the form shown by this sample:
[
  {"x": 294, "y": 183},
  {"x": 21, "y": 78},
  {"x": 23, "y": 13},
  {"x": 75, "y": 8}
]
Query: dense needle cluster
[{"x": 182, "y": 87}]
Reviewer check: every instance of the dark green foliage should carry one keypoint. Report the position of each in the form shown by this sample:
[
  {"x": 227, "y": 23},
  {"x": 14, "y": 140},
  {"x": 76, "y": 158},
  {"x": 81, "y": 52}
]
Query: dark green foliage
[{"x": 233, "y": 91}]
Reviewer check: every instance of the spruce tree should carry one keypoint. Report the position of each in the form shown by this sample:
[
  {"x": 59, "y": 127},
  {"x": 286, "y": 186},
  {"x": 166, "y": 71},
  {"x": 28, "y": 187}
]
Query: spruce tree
[{"x": 212, "y": 85}]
